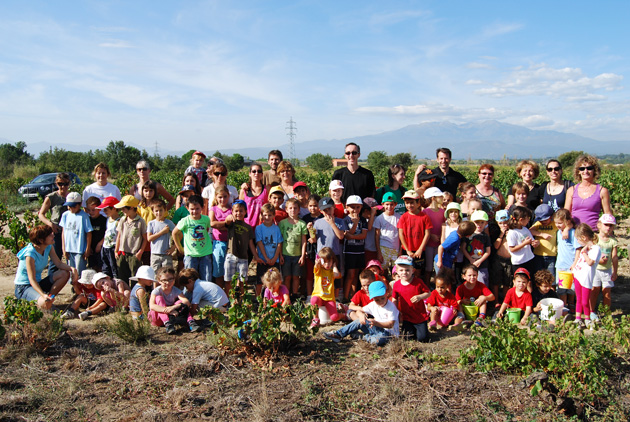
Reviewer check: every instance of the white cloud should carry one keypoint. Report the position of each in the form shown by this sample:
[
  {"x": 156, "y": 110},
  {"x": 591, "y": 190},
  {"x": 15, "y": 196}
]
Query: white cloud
[
  {"x": 498, "y": 29},
  {"x": 115, "y": 44},
  {"x": 535, "y": 120},
  {"x": 475, "y": 65},
  {"x": 474, "y": 82},
  {"x": 385, "y": 19},
  {"x": 438, "y": 111}
]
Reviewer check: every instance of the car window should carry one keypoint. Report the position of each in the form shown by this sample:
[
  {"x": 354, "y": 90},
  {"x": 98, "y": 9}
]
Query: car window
[{"x": 44, "y": 178}]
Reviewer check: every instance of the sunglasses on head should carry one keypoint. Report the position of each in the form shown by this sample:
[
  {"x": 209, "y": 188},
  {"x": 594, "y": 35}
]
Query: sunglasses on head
[
  {"x": 352, "y": 152},
  {"x": 61, "y": 184},
  {"x": 589, "y": 168},
  {"x": 218, "y": 173},
  {"x": 550, "y": 169}
]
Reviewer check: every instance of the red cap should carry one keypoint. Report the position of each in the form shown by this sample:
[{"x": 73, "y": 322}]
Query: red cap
[
  {"x": 299, "y": 185},
  {"x": 110, "y": 201},
  {"x": 523, "y": 271},
  {"x": 199, "y": 153}
]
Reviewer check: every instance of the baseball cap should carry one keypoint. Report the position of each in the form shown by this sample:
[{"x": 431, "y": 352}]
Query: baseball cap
[
  {"x": 452, "y": 206},
  {"x": 199, "y": 153},
  {"x": 388, "y": 197},
  {"x": 186, "y": 188},
  {"x": 426, "y": 174},
  {"x": 377, "y": 289},
  {"x": 354, "y": 200},
  {"x": 335, "y": 184},
  {"x": 501, "y": 216},
  {"x": 543, "y": 212},
  {"x": 110, "y": 201},
  {"x": 479, "y": 216},
  {"x": 431, "y": 192},
  {"x": 128, "y": 201},
  {"x": 299, "y": 185},
  {"x": 404, "y": 260},
  {"x": 522, "y": 271},
  {"x": 145, "y": 272},
  {"x": 275, "y": 189},
  {"x": 370, "y": 202},
  {"x": 326, "y": 203},
  {"x": 607, "y": 219},
  {"x": 73, "y": 199},
  {"x": 411, "y": 194}
]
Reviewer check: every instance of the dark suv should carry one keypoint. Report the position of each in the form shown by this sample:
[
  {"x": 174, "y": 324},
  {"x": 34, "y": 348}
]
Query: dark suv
[{"x": 43, "y": 184}]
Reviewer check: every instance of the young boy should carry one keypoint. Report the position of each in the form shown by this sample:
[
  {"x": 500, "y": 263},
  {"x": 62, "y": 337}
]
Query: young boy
[
  {"x": 543, "y": 290},
  {"x": 240, "y": 237},
  {"x": 194, "y": 229},
  {"x": 182, "y": 212},
  {"x": 276, "y": 198},
  {"x": 202, "y": 293},
  {"x": 354, "y": 245},
  {"x": 86, "y": 294},
  {"x": 362, "y": 297},
  {"x": 447, "y": 251},
  {"x": 518, "y": 296},
  {"x": 293, "y": 247},
  {"x": 329, "y": 230},
  {"x": 159, "y": 234},
  {"x": 477, "y": 249},
  {"x": 386, "y": 231},
  {"x": 132, "y": 238},
  {"x": 108, "y": 251},
  {"x": 546, "y": 232},
  {"x": 381, "y": 327},
  {"x": 77, "y": 232},
  {"x": 300, "y": 190},
  {"x": 99, "y": 225},
  {"x": 414, "y": 230},
  {"x": 500, "y": 258},
  {"x": 269, "y": 243},
  {"x": 111, "y": 294},
  {"x": 474, "y": 292},
  {"x": 408, "y": 295}
]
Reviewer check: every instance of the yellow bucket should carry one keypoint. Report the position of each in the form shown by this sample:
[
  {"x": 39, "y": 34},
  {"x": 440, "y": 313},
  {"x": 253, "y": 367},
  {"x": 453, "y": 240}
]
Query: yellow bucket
[{"x": 566, "y": 279}]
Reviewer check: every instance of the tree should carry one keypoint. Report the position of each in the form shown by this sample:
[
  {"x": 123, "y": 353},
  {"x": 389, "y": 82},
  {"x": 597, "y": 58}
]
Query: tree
[
  {"x": 14, "y": 154},
  {"x": 568, "y": 158},
  {"x": 234, "y": 163},
  {"x": 319, "y": 161},
  {"x": 377, "y": 161},
  {"x": 405, "y": 159}
]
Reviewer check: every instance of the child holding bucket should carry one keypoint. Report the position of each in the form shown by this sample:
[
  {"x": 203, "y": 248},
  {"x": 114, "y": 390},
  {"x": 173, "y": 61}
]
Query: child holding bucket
[
  {"x": 325, "y": 272},
  {"x": 442, "y": 304},
  {"x": 606, "y": 272},
  {"x": 473, "y": 293},
  {"x": 518, "y": 298},
  {"x": 567, "y": 245},
  {"x": 584, "y": 272}
]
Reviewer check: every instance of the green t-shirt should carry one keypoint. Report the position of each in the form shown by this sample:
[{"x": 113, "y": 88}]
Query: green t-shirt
[
  {"x": 292, "y": 235},
  {"x": 606, "y": 248},
  {"x": 197, "y": 240}
]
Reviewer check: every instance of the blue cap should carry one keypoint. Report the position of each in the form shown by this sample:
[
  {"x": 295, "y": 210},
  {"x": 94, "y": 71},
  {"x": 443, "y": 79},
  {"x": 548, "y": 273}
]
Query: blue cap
[
  {"x": 377, "y": 289},
  {"x": 543, "y": 212},
  {"x": 501, "y": 215}
]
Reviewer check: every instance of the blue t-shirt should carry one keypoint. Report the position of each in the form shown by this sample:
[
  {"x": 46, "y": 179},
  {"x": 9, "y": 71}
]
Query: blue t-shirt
[
  {"x": 75, "y": 229},
  {"x": 41, "y": 261},
  {"x": 134, "y": 301},
  {"x": 566, "y": 250},
  {"x": 161, "y": 244},
  {"x": 451, "y": 247},
  {"x": 326, "y": 235},
  {"x": 270, "y": 237}
]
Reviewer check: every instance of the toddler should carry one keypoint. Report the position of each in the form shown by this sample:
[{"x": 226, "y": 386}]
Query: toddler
[
  {"x": 197, "y": 167},
  {"x": 473, "y": 292},
  {"x": 408, "y": 295},
  {"x": 386, "y": 231},
  {"x": 518, "y": 296},
  {"x": 159, "y": 234},
  {"x": 442, "y": 298},
  {"x": 606, "y": 272},
  {"x": 325, "y": 272},
  {"x": 584, "y": 269},
  {"x": 274, "y": 289}
]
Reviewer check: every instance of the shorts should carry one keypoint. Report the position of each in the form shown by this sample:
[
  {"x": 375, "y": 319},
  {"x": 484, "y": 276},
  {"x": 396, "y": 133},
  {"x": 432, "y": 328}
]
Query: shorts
[
  {"x": 234, "y": 265},
  {"x": 219, "y": 249},
  {"x": 354, "y": 261},
  {"x": 76, "y": 260},
  {"x": 545, "y": 263},
  {"x": 500, "y": 271},
  {"x": 429, "y": 254},
  {"x": 291, "y": 266},
  {"x": 161, "y": 260},
  {"x": 603, "y": 279},
  {"x": 27, "y": 292}
]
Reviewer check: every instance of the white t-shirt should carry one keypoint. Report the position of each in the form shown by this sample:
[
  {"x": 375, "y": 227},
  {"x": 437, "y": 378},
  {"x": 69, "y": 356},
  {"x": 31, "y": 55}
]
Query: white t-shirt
[
  {"x": 388, "y": 225},
  {"x": 387, "y": 313},
  {"x": 207, "y": 293},
  {"x": 585, "y": 273},
  {"x": 514, "y": 238},
  {"x": 208, "y": 193},
  {"x": 101, "y": 192}
]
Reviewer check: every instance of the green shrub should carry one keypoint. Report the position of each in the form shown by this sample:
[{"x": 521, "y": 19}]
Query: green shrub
[
  {"x": 128, "y": 329},
  {"x": 21, "y": 311},
  {"x": 16, "y": 229}
]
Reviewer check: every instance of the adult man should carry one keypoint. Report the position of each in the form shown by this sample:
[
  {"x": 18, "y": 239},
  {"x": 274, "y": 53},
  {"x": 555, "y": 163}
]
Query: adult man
[
  {"x": 271, "y": 176},
  {"x": 356, "y": 179},
  {"x": 447, "y": 179}
]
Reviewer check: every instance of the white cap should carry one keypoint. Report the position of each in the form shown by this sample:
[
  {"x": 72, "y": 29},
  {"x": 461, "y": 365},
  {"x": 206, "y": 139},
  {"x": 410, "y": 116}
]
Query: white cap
[
  {"x": 432, "y": 192},
  {"x": 354, "y": 200},
  {"x": 335, "y": 184}
]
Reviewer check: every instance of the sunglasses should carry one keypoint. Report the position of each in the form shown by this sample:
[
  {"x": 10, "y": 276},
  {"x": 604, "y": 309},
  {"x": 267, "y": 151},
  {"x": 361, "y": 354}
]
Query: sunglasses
[
  {"x": 62, "y": 184},
  {"x": 256, "y": 171},
  {"x": 218, "y": 173},
  {"x": 142, "y": 169},
  {"x": 587, "y": 168},
  {"x": 352, "y": 152},
  {"x": 550, "y": 169}
]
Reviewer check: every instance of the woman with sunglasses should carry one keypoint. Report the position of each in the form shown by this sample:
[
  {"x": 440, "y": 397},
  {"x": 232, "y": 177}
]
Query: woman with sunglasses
[
  {"x": 254, "y": 193},
  {"x": 554, "y": 192},
  {"x": 143, "y": 170},
  {"x": 491, "y": 198},
  {"x": 219, "y": 177},
  {"x": 54, "y": 202},
  {"x": 527, "y": 171},
  {"x": 587, "y": 198}
]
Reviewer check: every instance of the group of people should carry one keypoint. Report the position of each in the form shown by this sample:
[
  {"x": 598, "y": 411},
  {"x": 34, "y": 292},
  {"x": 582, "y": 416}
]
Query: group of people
[{"x": 362, "y": 254}]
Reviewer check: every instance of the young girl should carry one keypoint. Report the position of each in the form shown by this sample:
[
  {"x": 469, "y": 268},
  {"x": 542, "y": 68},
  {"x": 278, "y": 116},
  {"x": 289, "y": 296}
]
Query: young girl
[
  {"x": 584, "y": 272},
  {"x": 354, "y": 245},
  {"x": 138, "y": 303},
  {"x": 518, "y": 296},
  {"x": 447, "y": 198},
  {"x": 520, "y": 192},
  {"x": 520, "y": 240},
  {"x": 325, "y": 272},
  {"x": 168, "y": 304},
  {"x": 311, "y": 247},
  {"x": 386, "y": 232},
  {"x": 196, "y": 167},
  {"x": 443, "y": 297},
  {"x": 149, "y": 189},
  {"x": 189, "y": 180},
  {"x": 474, "y": 292},
  {"x": 436, "y": 214},
  {"x": 606, "y": 272},
  {"x": 274, "y": 289},
  {"x": 453, "y": 216},
  {"x": 220, "y": 214},
  {"x": 335, "y": 190},
  {"x": 567, "y": 245},
  {"x": 468, "y": 193}
]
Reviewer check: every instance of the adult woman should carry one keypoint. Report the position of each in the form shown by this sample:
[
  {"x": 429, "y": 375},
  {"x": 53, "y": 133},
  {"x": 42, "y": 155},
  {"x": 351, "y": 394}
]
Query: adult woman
[
  {"x": 219, "y": 177},
  {"x": 287, "y": 179},
  {"x": 254, "y": 193},
  {"x": 143, "y": 169},
  {"x": 33, "y": 258},
  {"x": 528, "y": 171},
  {"x": 395, "y": 179},
  {"x": 101, "y": 188},
  {"x": 491, "y": 199},
  {"x": 554, "y": 192},
  {"x": 54, "y": 203},
  {"x": 587, "y": 198}
]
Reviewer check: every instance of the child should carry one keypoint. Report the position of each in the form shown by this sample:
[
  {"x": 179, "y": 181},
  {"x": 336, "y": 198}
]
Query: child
[
  {"x": 189, "y": 179},
  {"x": 448, "y": 250},
  {"x": 329, "y": 230},
  {"x": 606, "y": 272},
  {"x": 300, "y": 192},
  {"x": 362, "y": 297},
  {"x": 518, "y": 296},
  {"x": 197, "y": 167},
  {"x": 220, "y": 214},
  {"x": 240, "y": 237},
  {"x": 99, "y": 225},
  {"x": 443, "y": 297},
  {"x": 132, "y": 238},
  {"x": 159, "y": 234},
  {"x": 500, "y": 257},
  {"x": 274, "y": 289},
  {"x": 408, "y": 295},
  {"x": 311, "y": 246},
  {"x": 584, "y": 269},
  {"x": 368, "y": 213},
  {"x": 376, "y": 268},
  {"x": 138, "y": 298},
  {"x": 86, "y": 295},
  {"x": 194, "y": 230},
  {"x": 201, "y": 293},
  {"x": 182, "y": 211},
  {"x": 468, "y": 193},
  {"x": 520, "y": 191},
  {"x": 386, "y": 231},
  {"x": 115, "y": 292},
  {"x": 335, "y": 190},
  {"x": 354, "y": 245},
  {"x": 453, "y": 216},
  {"x": 325, "y": 272},
  {"x": 90, "y": 297},
  {"x": 473, "y": 205},
  {"x": 546, "y": 233},
  {"x": 168, "y": 304},
  {"x": 544, "y": 289},
  {"x": 520, "y": 240},
  {"x": 567, "y": 250},
  {"x": 276, "y": 198},
  {"x": 477, "y": 249},
  {"x": 473, "y": 292},
  {"x": 447, "y": 198},
  {"x": 269, "y": 241},
  {"x": 293, "y": 246},
  {"x": 149, "y": 188},
  {"x": 77, "y": 232},
  {"x": 414, "y": 230},
  {"x": 108, "y": 251},
  {"x": 377, "y": 330},
  {"x": 436, "y": 214}
]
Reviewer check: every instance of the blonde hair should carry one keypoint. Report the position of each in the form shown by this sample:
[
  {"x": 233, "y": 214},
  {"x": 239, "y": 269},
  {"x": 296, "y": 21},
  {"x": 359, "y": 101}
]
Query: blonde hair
[
  {"x": 221, "y": 189},
  {"x": 192, "y": 159},
  {"x": 528, "y": 163},
  {"x": 589, "y": 160},
  {"x": 101, "y": 166},
  {"x": 584, "y": 230},
  {"x": 272, "y": 278}
]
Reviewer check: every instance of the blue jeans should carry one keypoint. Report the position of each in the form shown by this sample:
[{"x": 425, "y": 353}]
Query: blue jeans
[
  {"x": 419, "y": 331},
  {"x": 77, "y": 261},
  {"x": 375, "y": 335},
  {"x": 203, "y": 265}
]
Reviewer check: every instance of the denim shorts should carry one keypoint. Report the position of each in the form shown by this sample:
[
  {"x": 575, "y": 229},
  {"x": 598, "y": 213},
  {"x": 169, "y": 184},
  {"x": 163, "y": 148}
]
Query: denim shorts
[
  {"x": 291, "y": 266},
  {"x": 27, "y": 292}
]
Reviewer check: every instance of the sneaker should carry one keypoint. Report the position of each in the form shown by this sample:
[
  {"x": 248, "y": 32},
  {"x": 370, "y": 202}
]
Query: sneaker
[
  {"x": 480, "y": 322},
  {"x": 84, "y": 315},
  {"x": 194, "y": 326},
  {"x": 170, "y": 328},
  {"x": 69, "y": 314},
  {"x": 333, "y": 336},
  {"x": 580, "y": 323},
  {"x": 594, "y": 317},
  {"x": 589, "y": 324},
  {"x": 315, "y": 323}
]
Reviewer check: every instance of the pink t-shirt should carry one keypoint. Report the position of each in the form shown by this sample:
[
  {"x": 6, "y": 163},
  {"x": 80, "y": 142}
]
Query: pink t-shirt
[
  {"x": 279, "y": 297},
  {"x": 437, "y": 219},
  {"x": 220, "y": 215}
]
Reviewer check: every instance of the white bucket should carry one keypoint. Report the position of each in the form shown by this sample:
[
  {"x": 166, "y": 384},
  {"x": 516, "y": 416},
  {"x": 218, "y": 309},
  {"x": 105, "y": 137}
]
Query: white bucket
[
  {"x": 551, "y": 306},
  {"x": 324, "y": 317}
]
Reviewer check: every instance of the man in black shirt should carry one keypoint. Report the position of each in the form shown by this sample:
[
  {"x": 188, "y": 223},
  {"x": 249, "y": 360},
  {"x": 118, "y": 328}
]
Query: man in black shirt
[
  {"x": 356, "y": 180},
  {"x": 447, "y": 179}
]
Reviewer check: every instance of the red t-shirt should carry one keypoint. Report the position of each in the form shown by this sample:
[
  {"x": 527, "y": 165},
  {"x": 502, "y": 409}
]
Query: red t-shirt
[
  {"x": 449, "y": 300},
  {"x": 414, "y": 313},
  {"x": 437, "y": 219},
  {"x": 479, "y": 289},
  {"x": 513, "y": 301},
  {"x": 413, "y": 228},
  {"x": 340, "y": 211},
  {"x": 280, "y": 215},
  {"x": 361, "y": 298}
]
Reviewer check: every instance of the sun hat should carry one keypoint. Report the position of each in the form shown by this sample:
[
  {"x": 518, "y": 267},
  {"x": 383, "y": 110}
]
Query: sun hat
[
  {"x": 479, "y": 216},
  {"x": 608, "y": 219},
  {"x": 374, "y": 263},
  {"x": 404, "y": 260},
  {"x": 389, "y": 197},
  {"x": 98, "y": 277},
  {"x": 326, "y": 203},
  {"x": 432, "y": 192},
  {"x": 73, "y": 199},
  {"x": 128, "y": 201},
  {"x": 501, "y": 216},
  {"x": 110, "y": 201},
  {"x": 146, "y": 272},
  {"x": 452, "y": 206},
  {"x": 377, "y": 289},
  {"x": 335, "y": 184},
  {"x": 354, "y": 200},
  {"x": 86, "y": 277}
]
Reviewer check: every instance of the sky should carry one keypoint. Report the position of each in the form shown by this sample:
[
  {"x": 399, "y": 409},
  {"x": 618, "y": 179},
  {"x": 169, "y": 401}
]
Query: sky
[{"x": 206, "y": 74}]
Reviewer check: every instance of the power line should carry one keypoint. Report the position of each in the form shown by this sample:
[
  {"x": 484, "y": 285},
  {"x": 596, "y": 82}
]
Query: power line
[{"x": 292, "y": 128}]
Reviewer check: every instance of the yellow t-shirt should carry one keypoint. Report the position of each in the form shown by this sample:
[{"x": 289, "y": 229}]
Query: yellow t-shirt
[
  {"x": 324, "y": 284},
  {"x": 547, "y": 247}
]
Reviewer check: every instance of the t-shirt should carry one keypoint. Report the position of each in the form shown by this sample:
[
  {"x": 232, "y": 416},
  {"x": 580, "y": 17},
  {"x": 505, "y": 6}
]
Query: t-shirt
[
  {"x": 276, "y": 297},
  {"x": 437, "y": 219},
  {"x": 370, "y": 240},
  {"x": 239, "y": 235},
  {"x": 41, "y": 262},
  {"x": 388, "y": 225},
  {"x": 413, "y": 229},
  {"x": 324, "y": 283},
  {"x": 476, "y": 247},
  {"x": 280, "y": 215},
  {"x": 207, "y": 293},
  {"x": 386, "y": 313},
  {"x": 361, "y": 182},
  {"x": 197, "y": 240},
  {"x": 537, "y": 295},
  {"x": 566, "y": 250},
  {"x": 583, "y": 272},
  {"x": 99, "y": 225},
  {"x": 130, "y": 232},
  {"x": 606, "y": 247},
  {"x": 101, "y": 192},
  {"x": 414, "y": 313},
  {"x": 514, "y": 301},
  {"x": 450, "y": 182},
  {"x": 326, "y": 236},
  {"x": 200, "y": 172},
  {"x": 355, "y": 246},
  {"x": 451, "y": 248},
  {"x": 398, "y": 194},
  {"x": 271, "y": 237},
  {"x": 110, "y": 233},
  {"x": 220, "y": 215},
  {"x": 161, "y": 244},
  {"x": 292, "y": 235},
  {"x": 134, "y": 300},
  {"x": 449, "y": 300},
  {"x": 463, "y": 292},
  {"x": 308, "y": 218},
  {"x": 75, "y": 230},
  {"x": 208, "y": 193},
  {"x": 340, "y": 210},
  {"x": 180, "y": 213},
  {"x": 146, "y": 213},
  {"x": 547, "y": 247},
  {"x": 516, "y": 237},
  {"x": 361, "y": 298},
  {"x": 169, "y": 298}
]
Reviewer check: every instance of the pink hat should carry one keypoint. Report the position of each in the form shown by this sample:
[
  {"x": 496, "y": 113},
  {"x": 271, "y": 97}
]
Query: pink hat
[
  {"x": 374, "y": 263},
  {"x": 608, "y": 219}
]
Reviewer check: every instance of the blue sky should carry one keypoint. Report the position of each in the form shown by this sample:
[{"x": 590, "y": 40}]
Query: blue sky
[{"x": 197, "y": 74}]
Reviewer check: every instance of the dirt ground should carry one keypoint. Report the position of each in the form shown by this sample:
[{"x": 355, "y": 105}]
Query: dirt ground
[{"x": 90, "y": 375}]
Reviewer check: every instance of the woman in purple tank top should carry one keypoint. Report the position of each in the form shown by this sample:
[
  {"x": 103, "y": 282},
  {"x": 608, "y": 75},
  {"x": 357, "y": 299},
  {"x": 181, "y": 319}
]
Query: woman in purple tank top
[{"x": 587, "y": 198}]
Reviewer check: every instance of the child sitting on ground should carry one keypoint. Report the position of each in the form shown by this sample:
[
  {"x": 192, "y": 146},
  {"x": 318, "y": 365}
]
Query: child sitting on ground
[
  {"x": 544, "y": 289},
  {"x": 138, "y": 300},
  {"x": 325, "y": 272},
  {"x": 441, "y": 298},
  {"x": 362, "y": 297},
  {"x": 474, "y": 292},
  {"x": 168, "y": 304},
  {"x": 201, "y": 293},
  {"x": 87, "y": 295},
  {"x": 518, "y": 296},
  {"x": 408, "y": 295},
  {"x": 109, "y": 294},
  {"x": 275, "y": 291}
]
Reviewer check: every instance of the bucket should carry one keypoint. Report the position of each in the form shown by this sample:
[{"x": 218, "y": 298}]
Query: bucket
[
  {"x": 471, "y": 312},
  {"x": 514, "y": 315},
  {"x": 324, "y": 317},
  {"x": 446, "y": 315},
  {"x": 551, "y": 309},
  {"x": 566, "y": 279}
]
